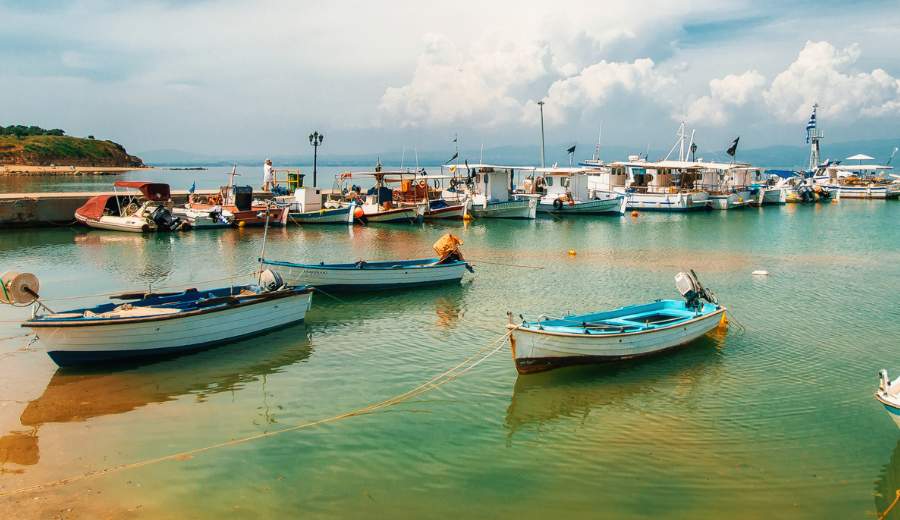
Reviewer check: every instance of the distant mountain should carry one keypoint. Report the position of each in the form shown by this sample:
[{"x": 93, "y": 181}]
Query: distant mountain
[{"x": 771, "y": 156}]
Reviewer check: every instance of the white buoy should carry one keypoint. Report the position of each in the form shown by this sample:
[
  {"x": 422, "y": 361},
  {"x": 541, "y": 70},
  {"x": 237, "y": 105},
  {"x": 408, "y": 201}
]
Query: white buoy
[{"x": 760, "y": 273}]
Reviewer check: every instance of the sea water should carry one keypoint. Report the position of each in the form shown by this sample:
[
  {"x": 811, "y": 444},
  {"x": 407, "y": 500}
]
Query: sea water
[{"x": 773, "y": 418}]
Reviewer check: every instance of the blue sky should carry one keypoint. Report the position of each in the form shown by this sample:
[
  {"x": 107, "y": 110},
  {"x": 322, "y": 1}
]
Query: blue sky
[{"x": 238, "y": 78}]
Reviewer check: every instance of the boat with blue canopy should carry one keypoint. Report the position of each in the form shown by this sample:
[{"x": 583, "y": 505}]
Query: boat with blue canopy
[{"x": 620, "y": 334}]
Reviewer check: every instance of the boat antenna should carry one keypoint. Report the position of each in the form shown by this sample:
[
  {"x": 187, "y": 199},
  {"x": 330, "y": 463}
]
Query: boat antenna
[
  {"x": 262, "y": 252},
  {"x": 416, "y": 151},
  {"x": 691, "y": 147},
  {"x": 597, "y": 148},
  {"x": 481, "y": 157},
  {"x": 402, "y": 157}
]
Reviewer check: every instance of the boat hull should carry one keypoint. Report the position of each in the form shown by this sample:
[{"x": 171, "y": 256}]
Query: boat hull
[
  {"x": 352, "y": 279},
  {"x": 325, "y": 216},
  {"x": 455, "y": 212},
  {"x": 890, "y": 191},
  {"x": 539, "y": 351},
  {"x": 520, "y": 209},
  {"x": 394, "y": 216},
  {"x": 614, "y": 206},
  {"x": 130, "y": 224},
  {"x": 69, "y": 345},
  {"x": 726, "y": 201},
  {"x": 673, "y": 202}
]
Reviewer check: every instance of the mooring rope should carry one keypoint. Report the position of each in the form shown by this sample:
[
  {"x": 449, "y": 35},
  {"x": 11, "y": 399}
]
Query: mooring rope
[
  {"x": 476, "y": 260},
  {"x": 887, "y": 511},
  {"x": 435, "y": 382}
]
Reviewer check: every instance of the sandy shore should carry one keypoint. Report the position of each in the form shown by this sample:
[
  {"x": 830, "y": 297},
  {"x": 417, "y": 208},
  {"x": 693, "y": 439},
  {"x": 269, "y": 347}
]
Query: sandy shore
[{"x": 18, "y": 169}]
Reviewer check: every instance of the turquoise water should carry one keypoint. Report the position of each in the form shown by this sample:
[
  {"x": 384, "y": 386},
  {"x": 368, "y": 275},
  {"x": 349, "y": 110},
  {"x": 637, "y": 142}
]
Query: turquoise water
[{"x": 775, "y": 418}]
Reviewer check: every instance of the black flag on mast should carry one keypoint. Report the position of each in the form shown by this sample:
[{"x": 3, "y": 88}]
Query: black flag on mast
[
  {"x": 733, "y": 148},
  {"x": 571, "y": 150},
  {"x": 455, "y": 155}
]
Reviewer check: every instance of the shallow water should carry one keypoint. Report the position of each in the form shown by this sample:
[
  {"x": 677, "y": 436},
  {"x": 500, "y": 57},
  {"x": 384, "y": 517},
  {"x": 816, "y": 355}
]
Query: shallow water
[{"x": 775, "y": 418}]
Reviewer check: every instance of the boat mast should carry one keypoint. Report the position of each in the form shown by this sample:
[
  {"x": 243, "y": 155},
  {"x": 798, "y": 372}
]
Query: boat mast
[
  {"x": 678, "y": 141},
  {"x": 541, "y": 105},
  {"x": 596, "y": 156}
]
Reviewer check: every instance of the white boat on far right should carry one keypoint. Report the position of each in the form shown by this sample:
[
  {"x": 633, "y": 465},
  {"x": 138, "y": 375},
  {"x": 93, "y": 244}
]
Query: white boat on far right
[{"x": 859, "y": 181}]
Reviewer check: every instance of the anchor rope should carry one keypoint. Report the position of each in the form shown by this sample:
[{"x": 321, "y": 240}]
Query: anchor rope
[
  {"x": 883, "y": 515},
  {"x": 435, "y": 382},
  {"x": 523, "y": 266}
]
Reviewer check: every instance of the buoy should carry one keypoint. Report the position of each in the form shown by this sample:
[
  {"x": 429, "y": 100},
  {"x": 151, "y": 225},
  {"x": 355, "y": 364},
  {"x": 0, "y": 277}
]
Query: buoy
[
  {"x": 760, "y": 273},
  {"x": 359, "y": 213},
  {"x": 18, "y": 288},
  {"x": 572, "y": 252},
  {"x": 242, "y": 223},
  {"x": 467, "y": 217},
  {"x": 634, "y": 213}
]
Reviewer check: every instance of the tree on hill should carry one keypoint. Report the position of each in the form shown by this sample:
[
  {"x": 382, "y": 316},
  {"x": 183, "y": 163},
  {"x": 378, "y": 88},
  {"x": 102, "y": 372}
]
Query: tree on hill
[{"x": 23, "y": 131}]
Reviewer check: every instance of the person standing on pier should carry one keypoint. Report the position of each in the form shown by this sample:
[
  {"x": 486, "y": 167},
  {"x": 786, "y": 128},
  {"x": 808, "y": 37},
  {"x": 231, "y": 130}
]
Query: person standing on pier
[{"x": 268, "y": 176}]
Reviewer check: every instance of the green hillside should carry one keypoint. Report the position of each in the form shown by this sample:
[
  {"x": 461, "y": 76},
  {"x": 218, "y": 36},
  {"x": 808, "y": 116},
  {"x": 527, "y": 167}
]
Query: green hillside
[{"x": 21, "y": 145}]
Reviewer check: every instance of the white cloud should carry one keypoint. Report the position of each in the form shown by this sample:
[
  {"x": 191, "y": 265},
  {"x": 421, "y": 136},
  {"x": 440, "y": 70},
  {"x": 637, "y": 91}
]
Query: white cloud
[
  {"x": 820, "y": 75},
  {"x": 734, "y": 90},
  {"x": 595, "y": 85}
]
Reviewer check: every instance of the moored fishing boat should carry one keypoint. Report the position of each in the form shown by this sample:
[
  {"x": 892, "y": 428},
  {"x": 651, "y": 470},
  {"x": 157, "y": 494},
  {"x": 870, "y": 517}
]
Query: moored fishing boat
[
  {"x": 648, "y": 186},
  {"x": 488, "y": 191},
  {"x": 125, "y": 212},
  {"x": 448, "y": 266},
  {"x": 625, "y": 333},
  {"x": 151, "y": 325},
  {"x": 566, "y": 193},
  {"x": 888, "y": 394},
  {"x": 217, "y": 217}
]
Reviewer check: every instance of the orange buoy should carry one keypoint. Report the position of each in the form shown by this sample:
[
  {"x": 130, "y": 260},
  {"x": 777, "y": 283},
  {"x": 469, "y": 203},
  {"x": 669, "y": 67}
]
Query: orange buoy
[
  {"x": 242, "y": 223},
  {"x": 359, "y": 213},
  {"x": 572, "y": 252},
  {"x": 634, "y": 213},
  {"x": 467, "y": 217}
]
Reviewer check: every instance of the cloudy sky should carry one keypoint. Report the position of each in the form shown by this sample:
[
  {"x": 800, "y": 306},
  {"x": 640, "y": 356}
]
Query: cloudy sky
[{"x": 237, "y": 78}]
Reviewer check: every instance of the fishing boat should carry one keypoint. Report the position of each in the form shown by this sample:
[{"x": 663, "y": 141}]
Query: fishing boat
[
  {"x": 565, "y": 192},
  {"x": 428, "y": 190},
  {"x": 239, "y": 201},
  {"x": 888, "y": 395},
  {"x": 377, "y": 204},
  {"x": 858, "y": 181},
  {"x": 648, "y": 186},
  {"x": 127, "y": 212},
  {"x": 764, "y": 189},
  {"x": 488, "y": 190},
  {"x": 160, "y": 324},
  {"x": 728, "y": 184},
  {"x": 625, "y": 333},
  {"x": 448, "y": 266}
]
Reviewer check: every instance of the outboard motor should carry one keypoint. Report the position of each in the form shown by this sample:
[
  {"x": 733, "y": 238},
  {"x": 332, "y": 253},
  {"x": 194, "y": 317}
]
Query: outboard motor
[
  {"x": 270, "y": 280},
  {"x": 693, "y": 291},
  {"x": 164, "y": 219}
]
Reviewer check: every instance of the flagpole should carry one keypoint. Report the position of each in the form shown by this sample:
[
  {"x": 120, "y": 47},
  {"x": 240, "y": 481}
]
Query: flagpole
[{"x": 541, "y": 105}]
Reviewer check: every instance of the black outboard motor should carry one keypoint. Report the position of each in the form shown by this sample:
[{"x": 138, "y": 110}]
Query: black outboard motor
[
  {"x": 164, "y": 219},
  {"x": 693, "y": 291}
]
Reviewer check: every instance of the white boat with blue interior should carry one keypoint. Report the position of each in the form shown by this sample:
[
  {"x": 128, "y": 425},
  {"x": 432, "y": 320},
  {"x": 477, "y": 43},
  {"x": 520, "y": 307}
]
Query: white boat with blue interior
[{"x": 625, "y": 333}]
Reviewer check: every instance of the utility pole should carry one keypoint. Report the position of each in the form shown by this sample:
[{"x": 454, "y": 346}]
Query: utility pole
[{"x": 541, "y": 105}]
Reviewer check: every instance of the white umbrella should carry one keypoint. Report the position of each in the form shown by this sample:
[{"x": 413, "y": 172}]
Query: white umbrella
[{"x": 859, "y": 157}]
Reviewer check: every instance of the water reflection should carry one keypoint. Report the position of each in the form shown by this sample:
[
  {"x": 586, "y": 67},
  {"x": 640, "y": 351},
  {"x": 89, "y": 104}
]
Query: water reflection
[
  {"x": 80, "y": 396},
  {"x": 887, "y": 485},
  {"x": 139, "y": 258},
  {"x": 574, "y": 392}
]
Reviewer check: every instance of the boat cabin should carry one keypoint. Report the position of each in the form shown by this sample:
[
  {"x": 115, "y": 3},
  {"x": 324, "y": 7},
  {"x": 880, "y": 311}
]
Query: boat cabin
[{"x": 565, "y": 182}]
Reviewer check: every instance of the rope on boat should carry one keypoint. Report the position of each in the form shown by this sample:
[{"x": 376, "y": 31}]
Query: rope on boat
[
  {"x": 437, "y": 381},
  {"x": 887, "y": 511}
]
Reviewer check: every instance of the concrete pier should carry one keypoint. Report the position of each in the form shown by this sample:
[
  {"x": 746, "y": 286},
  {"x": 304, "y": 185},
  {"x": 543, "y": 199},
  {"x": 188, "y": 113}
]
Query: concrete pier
[{"x": 43, "y": 209}]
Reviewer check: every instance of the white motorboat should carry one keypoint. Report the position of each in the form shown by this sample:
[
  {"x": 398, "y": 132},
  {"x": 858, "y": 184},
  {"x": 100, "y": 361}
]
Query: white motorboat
[
  {"x": 127, "y": 212},
  {"x": 566, "y": 193}
]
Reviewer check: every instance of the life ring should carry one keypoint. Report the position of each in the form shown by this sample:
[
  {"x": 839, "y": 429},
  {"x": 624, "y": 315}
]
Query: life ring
[
  {"x": 436, "y": 183},
  {"x": 454, "y": 182},
  {"x": 422, "y": 184},
  {"x": 557, "y": 204}
]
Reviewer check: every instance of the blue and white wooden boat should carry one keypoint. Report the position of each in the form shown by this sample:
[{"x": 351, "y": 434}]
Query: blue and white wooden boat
[
  {"x": 625, "y": 333},
  {"x": 566, "y": 192},
  {"x": 167, "y": 324},
  {"x": 888, "y": 395},
  {"x": 364, "y": 276},
  {"x": 305, "y": 207}
]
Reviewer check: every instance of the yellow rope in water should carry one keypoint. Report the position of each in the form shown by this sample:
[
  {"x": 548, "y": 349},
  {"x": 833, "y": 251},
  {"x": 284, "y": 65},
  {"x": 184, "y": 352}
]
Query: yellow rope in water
[
  {"x": 441, "y": 379},
  {"x": 882, "y": 516}
]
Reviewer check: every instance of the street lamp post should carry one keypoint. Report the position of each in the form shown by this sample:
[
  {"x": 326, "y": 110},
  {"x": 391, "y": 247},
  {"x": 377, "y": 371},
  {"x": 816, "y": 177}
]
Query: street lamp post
[
  {"x": 315, "y": 139},
  {"x": 541, "y": 105}
]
